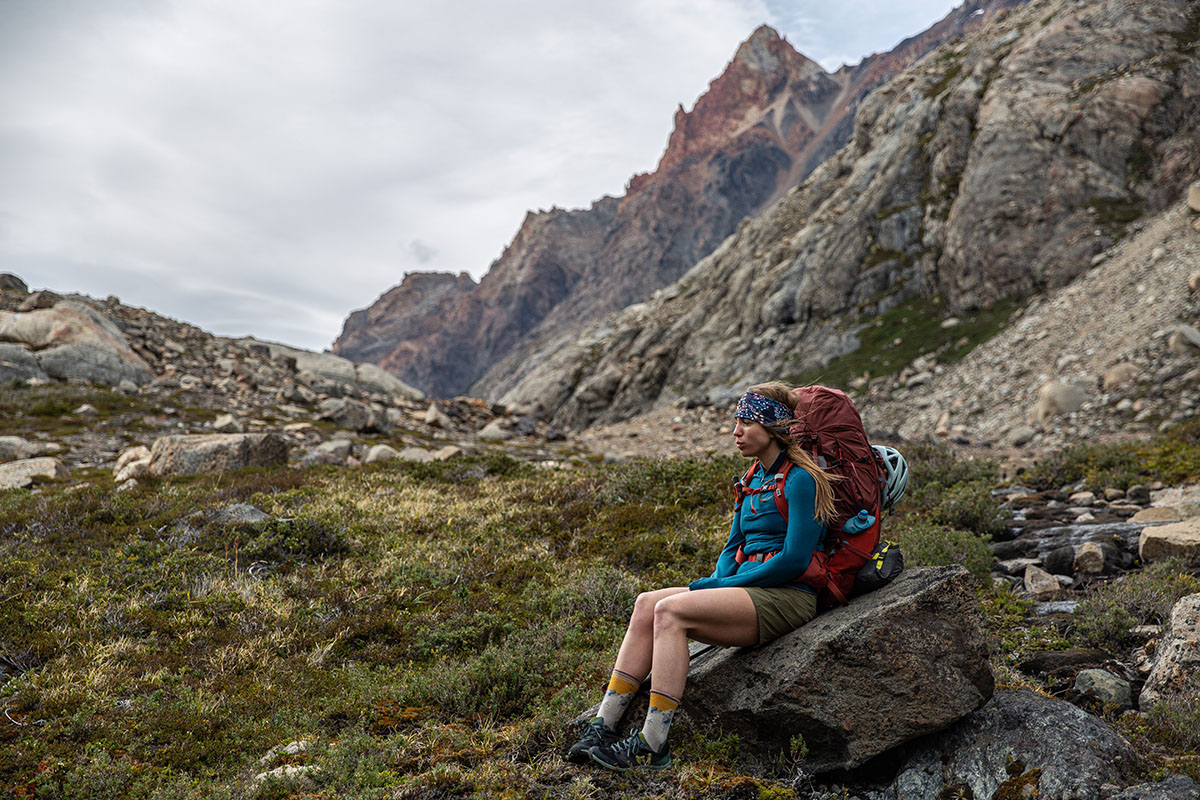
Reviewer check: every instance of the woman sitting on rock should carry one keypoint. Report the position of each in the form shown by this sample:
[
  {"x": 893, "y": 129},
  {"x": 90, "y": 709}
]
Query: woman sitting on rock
[{"x": 750, "y": 598}]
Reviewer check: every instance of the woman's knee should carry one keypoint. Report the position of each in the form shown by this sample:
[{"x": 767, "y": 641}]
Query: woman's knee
[
  {"x": 670, "y": 612},
  {"x": 643, "y": 608}
]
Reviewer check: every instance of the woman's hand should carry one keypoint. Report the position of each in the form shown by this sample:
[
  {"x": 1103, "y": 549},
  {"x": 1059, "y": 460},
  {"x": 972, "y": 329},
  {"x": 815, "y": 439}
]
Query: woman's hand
[{"x": 704, "y": 583}]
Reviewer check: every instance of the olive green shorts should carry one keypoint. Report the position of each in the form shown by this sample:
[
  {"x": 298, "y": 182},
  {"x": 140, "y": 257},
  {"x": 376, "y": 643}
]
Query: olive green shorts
[{"x": 781, "y": 609}]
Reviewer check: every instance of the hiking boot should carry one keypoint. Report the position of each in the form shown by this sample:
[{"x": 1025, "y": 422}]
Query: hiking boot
[
  {"x": 631, "y": 753},
  {"x": 595, "y": 734}
]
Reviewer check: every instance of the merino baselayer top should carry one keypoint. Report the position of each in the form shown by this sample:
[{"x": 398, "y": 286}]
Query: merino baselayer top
[{"x": 758, "y": 527}]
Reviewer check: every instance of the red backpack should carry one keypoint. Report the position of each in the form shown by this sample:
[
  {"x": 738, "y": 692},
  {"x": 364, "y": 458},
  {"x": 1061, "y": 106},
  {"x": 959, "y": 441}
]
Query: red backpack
[{"x": 829, "y": 428}]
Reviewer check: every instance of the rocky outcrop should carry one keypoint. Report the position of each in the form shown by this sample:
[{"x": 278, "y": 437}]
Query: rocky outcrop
[
  {"x": 761, "y": 127},
  {"x": 907, "y": 660},
  {"x": 1019, "y": 745},
  {"x": 1174, "y": 539},
  {"x": 1177, "y": 657},
  {"x": 70, "y": 340},
  {"x": 1173, "y": 787},
  {"x": 22, "y": 473},
  {"x": 191, "y": 453},
  {"x": 335, "y": 374},
  {"x": 984, "y": 171}
]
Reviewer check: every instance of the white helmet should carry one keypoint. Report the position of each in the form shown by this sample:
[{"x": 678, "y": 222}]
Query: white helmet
[{"x": 897, "y": 475}]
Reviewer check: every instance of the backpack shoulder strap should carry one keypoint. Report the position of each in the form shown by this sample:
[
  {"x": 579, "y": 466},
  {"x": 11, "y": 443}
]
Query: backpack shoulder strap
[
  {"x": 739, "y": 487},
  {"x": 781, "y": 503}
]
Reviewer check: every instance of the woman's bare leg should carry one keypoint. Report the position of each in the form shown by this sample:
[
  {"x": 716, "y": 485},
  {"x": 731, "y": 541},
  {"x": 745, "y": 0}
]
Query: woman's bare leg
[
  {"x": 637, "y": 648},
  {"x": 714, "y": 616}
]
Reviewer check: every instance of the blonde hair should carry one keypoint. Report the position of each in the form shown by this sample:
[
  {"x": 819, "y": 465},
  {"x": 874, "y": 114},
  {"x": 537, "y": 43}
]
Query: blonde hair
[{"x": 781, "y": 432}]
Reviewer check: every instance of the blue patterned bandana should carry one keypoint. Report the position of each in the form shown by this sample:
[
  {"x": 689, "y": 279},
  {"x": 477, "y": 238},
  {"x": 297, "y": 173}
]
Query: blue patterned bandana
[{"x": 762, "y": 410}]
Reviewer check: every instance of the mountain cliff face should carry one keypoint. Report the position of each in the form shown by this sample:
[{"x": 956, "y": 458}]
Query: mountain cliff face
[
  {"x": 997, "y": 166},
  {"x": 761, "y": 127}
]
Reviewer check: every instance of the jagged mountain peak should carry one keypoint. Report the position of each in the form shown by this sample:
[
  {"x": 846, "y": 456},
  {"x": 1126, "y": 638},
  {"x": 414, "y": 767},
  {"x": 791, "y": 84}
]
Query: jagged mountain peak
[
  {"x": 768, "y": 120},
  {"x": 1000, "y": 167}
]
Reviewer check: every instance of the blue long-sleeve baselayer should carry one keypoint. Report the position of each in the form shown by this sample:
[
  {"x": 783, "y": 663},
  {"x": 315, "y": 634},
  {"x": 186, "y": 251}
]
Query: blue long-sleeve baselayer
[{"x": 758, "y": 527}]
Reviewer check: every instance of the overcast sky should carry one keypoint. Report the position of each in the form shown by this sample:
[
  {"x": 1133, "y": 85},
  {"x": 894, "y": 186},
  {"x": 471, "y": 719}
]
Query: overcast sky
[{"x": 264, "y": 167}]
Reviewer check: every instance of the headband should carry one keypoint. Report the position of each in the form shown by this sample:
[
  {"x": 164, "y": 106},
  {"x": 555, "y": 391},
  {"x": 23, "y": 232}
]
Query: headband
[{"x": 762, "y": 410}]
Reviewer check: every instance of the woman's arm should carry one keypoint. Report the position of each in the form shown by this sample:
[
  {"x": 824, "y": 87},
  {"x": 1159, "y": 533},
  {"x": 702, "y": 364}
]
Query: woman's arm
[
  {"x": 803, "y": 534},
  {"x": 727, "y": 561}
]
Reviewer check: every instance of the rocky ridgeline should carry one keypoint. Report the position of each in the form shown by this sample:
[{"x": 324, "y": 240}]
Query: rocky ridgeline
[
  {"x": 205, "y": 402},
  {"x": 1116, "y": 354},
  {"x": 1003, "y": 165},
  {"x": 764, "y": 124}
]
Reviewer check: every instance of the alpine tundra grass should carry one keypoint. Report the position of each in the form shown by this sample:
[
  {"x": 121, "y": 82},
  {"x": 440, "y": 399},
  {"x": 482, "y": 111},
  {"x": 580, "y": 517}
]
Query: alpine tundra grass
[{"x": 426, "y": 629}]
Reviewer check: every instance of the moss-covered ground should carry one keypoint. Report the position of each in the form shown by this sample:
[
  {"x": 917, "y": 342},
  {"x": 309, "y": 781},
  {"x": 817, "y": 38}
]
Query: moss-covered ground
[
  {"x": 891, "y": 341},
  {"x": 429, "y": 628}
]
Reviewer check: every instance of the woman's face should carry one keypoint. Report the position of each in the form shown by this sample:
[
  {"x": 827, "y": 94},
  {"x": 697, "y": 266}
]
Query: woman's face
[{"x": 751, "y": 438}]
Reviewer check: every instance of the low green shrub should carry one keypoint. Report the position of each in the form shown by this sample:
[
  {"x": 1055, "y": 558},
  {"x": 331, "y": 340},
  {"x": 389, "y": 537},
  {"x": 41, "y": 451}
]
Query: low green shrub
[
  {"x": 290, "y": 539},
  {"x": 1172, "y": 457},
  {"x": 966, "y": 506},
  {"x": 926, "y": 543},
  {"x": 1110, "y": 611}
]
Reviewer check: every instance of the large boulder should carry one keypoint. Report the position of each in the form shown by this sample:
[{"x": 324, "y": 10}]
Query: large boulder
[
  {"x": 1020, "y": 744},
  {"x": 21, "y": 474},
  {"x": 353, "y": 415},
  {"x": 326, "y": 365},
  {"x": 372, "y": 378},
  {"x": 13, "y": 283},
  {"x": 904, "y": 661},
  {"x": 1177, "y": 657},
  {"x": 1176, "y": 787},
  {"x": 18, "y": 363},
  {"x": 1164, "y": 541},
  {"x": 1058, "y": 397},
  {"x": 16, "y": 447},
  {"x": 191, "y": 453},
  {"x": 73, "y": 340}
]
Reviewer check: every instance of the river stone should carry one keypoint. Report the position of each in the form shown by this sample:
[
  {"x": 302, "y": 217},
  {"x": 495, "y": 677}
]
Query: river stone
[
  {"x": 898, "y": 663},
  {"x": 1059, "y": 561},
  {"x": 1105, "y": 687},
  {"x": 21, "y": 474},
  {"x": 1157, "y": 514},
  {"x": 191, "y": 453},
  {"x": 1177, "y": 657},
  {"x": 1019, "y": 745},
  {"x": 1039, "y": 583},
  {"x": 1177, "y": 539},
  {"x": 1089, "y": 559}
]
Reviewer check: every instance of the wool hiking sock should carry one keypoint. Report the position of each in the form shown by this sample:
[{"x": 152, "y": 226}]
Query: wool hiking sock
[
  {"x": 658, "y": 719},
  {"x": 621, "y": 688}
]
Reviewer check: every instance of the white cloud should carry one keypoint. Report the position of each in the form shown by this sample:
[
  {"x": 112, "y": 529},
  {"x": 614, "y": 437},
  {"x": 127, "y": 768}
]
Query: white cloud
[{"x": 267, "y": 167}]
